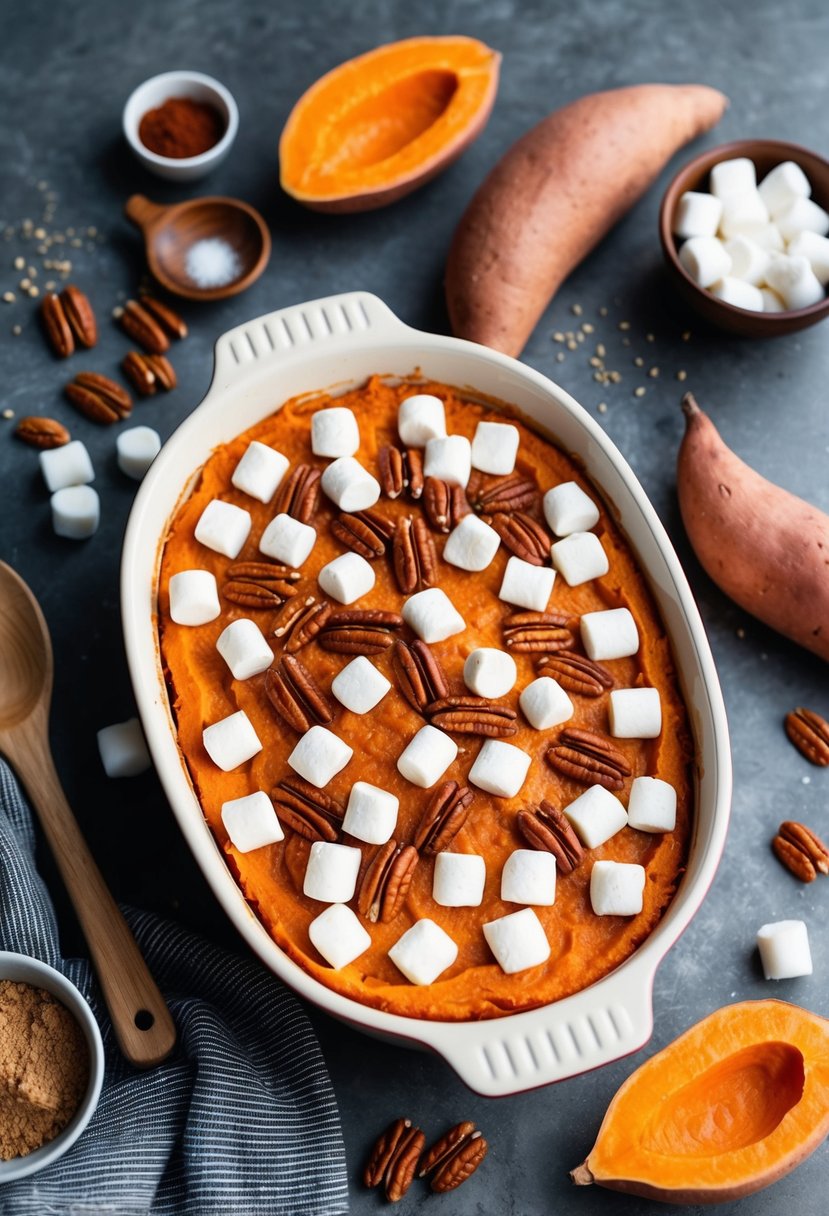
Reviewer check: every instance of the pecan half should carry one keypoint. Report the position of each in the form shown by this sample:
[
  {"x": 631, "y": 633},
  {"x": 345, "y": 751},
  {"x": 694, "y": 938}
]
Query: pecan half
[
  {"x": 355, "y": 631},
  {"x": 386, "y": 882},
  {"x": 309, "y": 812},
  {"x": 295, "y": 695},
  {"x": 42, "y": 433},
  {"x": 469, "y": 715},
  {"x": 295, "y": 854},
  {"x": 56, "y": 326},
  {"x": 299, "y": 622},
  {"x": 399, "y": 471},
  {"x": 576, "y": 673},
  {"x": 418, "y": 673},
  {"x": 393, "y": 1159},
  {"x": 443, "y": 818},
  {"x": 259, "y": 584},
  {"x": 546, "y": 828},
  {"x": 444, "y": 505},
  {"x": 138, "y": 324},
  {"x": 99, "y": 398},
  {"x": 527, "y": 632},
  {"x": 454, "y": 1157},
  {"x": 503, "y": 495},
  {"x": 523, "y": 536},
  {"x": 172, "y": 324},
  {"x": 800, "y": 850},
  {"x": 810, "y": 735},
  {"x": 414, "y": 555},
  {"x": 148, "y": 373},
  {"x": 590, "y": 758},
  {"x": 299, "y": 493},
  {"x": 80, "y": 316},
  {"x": 365, "y": 532}
]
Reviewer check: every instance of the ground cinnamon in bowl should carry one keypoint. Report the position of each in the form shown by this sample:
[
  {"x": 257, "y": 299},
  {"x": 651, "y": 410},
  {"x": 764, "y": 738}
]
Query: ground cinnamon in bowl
[{"x": 181, "y": 127}]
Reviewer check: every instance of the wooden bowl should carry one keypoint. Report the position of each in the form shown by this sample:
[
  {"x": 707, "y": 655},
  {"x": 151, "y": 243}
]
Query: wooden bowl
[{"x": 766, "y": 153}]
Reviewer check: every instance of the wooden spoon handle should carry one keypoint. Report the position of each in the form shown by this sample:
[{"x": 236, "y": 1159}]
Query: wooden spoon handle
[{"x": 141, "y": 211}]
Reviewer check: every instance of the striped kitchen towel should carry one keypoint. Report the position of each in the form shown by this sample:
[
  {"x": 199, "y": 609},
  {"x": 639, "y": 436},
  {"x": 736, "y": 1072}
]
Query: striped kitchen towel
[{"x": 240, "y": 1119}]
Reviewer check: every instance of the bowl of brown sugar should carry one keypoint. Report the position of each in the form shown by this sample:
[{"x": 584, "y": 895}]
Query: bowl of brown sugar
[
  {"x": 51, "y": 1065},
  {"x": 180, "y": 125}
]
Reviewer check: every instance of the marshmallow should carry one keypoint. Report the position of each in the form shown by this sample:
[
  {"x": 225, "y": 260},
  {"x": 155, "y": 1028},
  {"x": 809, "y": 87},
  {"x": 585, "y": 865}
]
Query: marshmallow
[
  {"x": 338, "y": 935},
  {"x": 596, "y": 815},
  {"x": 500, "y": 768},
  {"x": 334, "y": 432},
  {"x": 794, "y": 281},
  {"x": 244, "y": 649},
  {"x": 319, "y": 756},
  {"x": 426, "y": 757},
  {"x": 449, "y": 459},
  {"x": 579, "y": 557},
  {"x": 568, "y": 509},
  {"x": 544, "y": 703},
  {"x": 471, "y": 545},
  {"x": 251, "y": 822},
  {"x": 517, "y": 940},
  {"x": 331, "y": 872},
  {"x": 705, "y": 259},
  {"x": 360, "y": 686},
  {"x": 529, "y": 877},
  {"x": 748, "y": 260},
  {"x": 223, "y": 527},
  {"x": 432, "y": 615},
  {"x": 738, "y": 293},
  {"x": 287, "y": 540},
  {"x": 68, "y": 465},
  {"x": 803, "y": 215},
  {"x": 815, "y": 249},
  {"x": 616, "y": 888},
  {"x": 635, "y": 713},
  {"x": 733, "y": 177},
  {"x": 494, "y": 447},
  {"x": 697, "y": 215},
  {"x": 489, "y": 672},
  {"x": 768, "y": 237},
  {"x": 423, "y": 952},
  {"x": 123, "y": 750},
  {"x": 194, "y": 597},
  {"x": 260, "y": 471},
  {"x": 459, "y": 880},
  {"x": 231, "y": 741},
  {"x": 349, "y": 485},
  {"x": 782, "y": 185},
  {"x": 526, "y": 585},
  {"x": 611, "y": 634},
  {"x": 771, "y": 300},
  {"x": 136, "y": 449},
  {"x": 346, "y": 578},
  {"x": 419, "y": 419},
  {"x": 784, "y": 950},
  {"x": 371, "y": 813},
  {"x": 743, "y": 213},
  {"x": 76, "y": 511},
  {"x": 652, "y": 805}
]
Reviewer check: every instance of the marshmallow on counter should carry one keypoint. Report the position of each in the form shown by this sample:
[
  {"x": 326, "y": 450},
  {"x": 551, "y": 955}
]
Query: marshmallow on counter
[
  {"x": 319, "y": 756},
  {"x": 617, "y": 888},
  {"x": 734, "y": 176},
  {"x": 697, "y": 214},
  {"x": 784, "y": 950},
  {"x": 136, "y": 449},
  {"x": 494, "y": 447},
  {"x": 459, "y": 880},
  {"x": 635, "y": 713},
  {"x": 517, "y": 940},
  {"x": 500, "y": 768},
  {"x": 251, "y": 822},
  {"x": 526, "y": 585},
  {"x": 471, "y": 545},
  {"x": 579, "y": 557},
  {"x": 489, "y": 672},
  {"x": 346, "y": 578},
  {"x": 334, "y": 432},
  {"x": 609, "y": 634},
  {"x": 529, "y": 877},
  {"x": 123, "y": 749},
  {"x": 419, "y": 419},
  {"x": 449, "y": 459},
  {"x": 68, "y": 465},
  {"x": 743, "y": 213},
  {"x": 423, "y": 952},
  {"x": 426, "y": 757},
  {"x": 76, "y": 511},
  {"x": 338, "y": 935},
  {"x": 596, "y": 815},
  {"x": 782, "y": 185},
  {"x": 749, "y": 261},
  {"x": 260, "y": 471},
  {"x": 794, "y": 281},
  {"x": 349, "y": 485},
  {"x": 544, "y": 703},
  {"x": 815, "y": 249},
  {"x": 287, "y": 540},
  {"x": 360, "y": 686},
  {"x": 194, "y": 597},
  {"x": 231, "y": 741},
  {"x": 432, "y": 615},
  {"x": 331, "y": 872},
  {"x": 771, "y": 300},
  {"x": 568, "y": 509},
  {"x": 705, "y": 259},
  {"x": 652, "y": 805},
  {"x": 243, "y": 647},
  {"x": 737, "y": 292},
  {"x": 371, "y": 813},
  {"x": 802, "y": 215},
  {"x": 223, "y": 527}
]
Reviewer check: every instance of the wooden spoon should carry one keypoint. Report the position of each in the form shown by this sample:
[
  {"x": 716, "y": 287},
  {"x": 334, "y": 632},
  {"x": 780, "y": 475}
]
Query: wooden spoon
[
  {"x": 170, "y": 232},
  {"x": 143, "y": 1026}
]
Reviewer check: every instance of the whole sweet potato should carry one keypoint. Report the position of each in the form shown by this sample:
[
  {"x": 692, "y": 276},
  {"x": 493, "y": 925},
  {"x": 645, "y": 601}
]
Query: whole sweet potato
[{"x": 554, "y": 195}]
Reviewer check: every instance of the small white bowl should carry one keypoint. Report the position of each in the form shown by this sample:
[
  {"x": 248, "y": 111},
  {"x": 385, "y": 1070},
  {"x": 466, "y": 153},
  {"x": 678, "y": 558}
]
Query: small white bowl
[
  {"x": 24, "y": 970},
  {"x": 154, "y": 92}
]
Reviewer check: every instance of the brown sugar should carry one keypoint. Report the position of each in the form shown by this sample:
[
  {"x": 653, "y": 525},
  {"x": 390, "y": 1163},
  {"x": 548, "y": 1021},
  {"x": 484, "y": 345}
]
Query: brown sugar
[{"x": 44, "y": 1068}]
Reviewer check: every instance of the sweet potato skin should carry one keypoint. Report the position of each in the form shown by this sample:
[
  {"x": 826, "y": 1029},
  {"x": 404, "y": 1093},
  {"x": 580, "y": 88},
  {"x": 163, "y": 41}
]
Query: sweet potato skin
[{"x": 554, "y": 195}]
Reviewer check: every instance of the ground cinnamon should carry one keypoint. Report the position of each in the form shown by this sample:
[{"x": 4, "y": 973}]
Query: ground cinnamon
[{"x": 181, "y": 127}]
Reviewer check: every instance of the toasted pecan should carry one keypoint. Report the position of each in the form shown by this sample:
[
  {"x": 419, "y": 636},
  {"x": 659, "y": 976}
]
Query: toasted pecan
[
  {"x": 470, "y": 715},
  {"x": 454, "y": 1157},
  {"x": 386, "y": 881},
  {"x": 530, "y": 632},
  {"x": 419, "y": 674},
  {"x": 295, "y": 695},
  {"x": 445, "y": 815},
  {"x": 523, "y": 536},
  {"x": 393, "y": 1159},
  {"x": 298, "y": 495},
  {"x": 809, "y": 732},
  {"x": 414, "y": 556},
  {"x": 590, "y": 758},
  {"x": 365, "y": 532},
  {"x": 42, "y": 433},
  {"x": 310, "y": 812},
  {"x": 546, "y": 828}
]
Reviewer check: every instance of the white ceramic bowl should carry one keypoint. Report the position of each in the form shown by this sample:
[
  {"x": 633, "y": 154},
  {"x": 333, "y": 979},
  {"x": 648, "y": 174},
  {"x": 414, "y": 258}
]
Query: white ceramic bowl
[
  {"x": 341, "y": 341},
  {"x": 25, "y": 970},
  {"x": 154, "y": 92}
]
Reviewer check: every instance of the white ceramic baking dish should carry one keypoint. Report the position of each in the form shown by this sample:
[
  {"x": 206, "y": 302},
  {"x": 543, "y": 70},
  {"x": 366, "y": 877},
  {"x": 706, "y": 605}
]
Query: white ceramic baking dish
[{"x": 339, "y": 341}]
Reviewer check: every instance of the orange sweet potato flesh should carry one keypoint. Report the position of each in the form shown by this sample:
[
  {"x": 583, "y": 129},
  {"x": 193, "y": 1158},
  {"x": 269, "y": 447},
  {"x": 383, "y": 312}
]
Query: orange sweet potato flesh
[
  {"x": 554, "y": 195},
  {"x": 732, "y": 1105}
]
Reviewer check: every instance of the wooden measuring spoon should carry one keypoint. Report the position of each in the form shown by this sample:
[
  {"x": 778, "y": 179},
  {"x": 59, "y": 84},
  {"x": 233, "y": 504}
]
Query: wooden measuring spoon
[
  {"x": 170, "y": 232},
  {"x": 143, "y": 1026}
]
